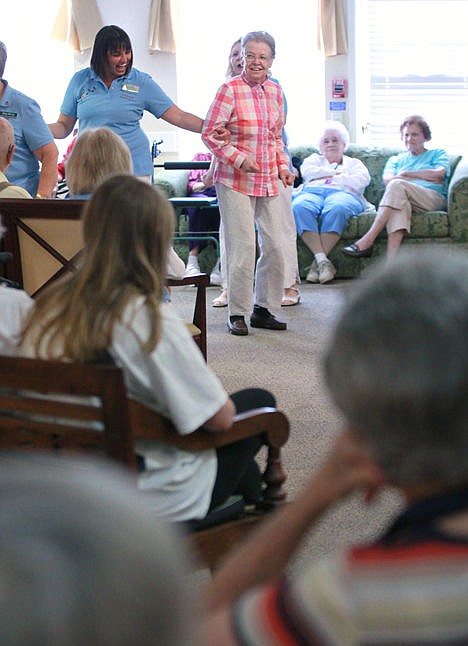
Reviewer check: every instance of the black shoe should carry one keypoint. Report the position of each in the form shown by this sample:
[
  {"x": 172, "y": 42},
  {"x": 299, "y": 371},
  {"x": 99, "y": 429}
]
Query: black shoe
[
  {"x": 353, "y": 251},
  {"x": 237, "y": 326},
  {"x": 261, "y": 317}
]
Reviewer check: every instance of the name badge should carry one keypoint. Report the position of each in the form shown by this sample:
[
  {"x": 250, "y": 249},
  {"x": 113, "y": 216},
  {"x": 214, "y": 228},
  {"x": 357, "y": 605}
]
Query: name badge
[
  {"x": 8, "y": 115},
  {"x": 128, "y": 87}
]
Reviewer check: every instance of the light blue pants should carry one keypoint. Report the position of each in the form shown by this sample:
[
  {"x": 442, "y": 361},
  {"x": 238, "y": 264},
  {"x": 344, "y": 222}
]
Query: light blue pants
[{"x": 324, "y": 210}]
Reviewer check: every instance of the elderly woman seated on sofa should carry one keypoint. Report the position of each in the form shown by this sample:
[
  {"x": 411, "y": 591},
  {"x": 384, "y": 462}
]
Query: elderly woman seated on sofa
[
  {"x": 333, "y": 191},
  {"x": 416, "y": 180}
]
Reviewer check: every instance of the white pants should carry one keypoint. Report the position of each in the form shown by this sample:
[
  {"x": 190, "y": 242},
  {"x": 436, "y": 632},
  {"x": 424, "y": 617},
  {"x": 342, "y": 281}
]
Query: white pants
[
  {"x": 239, "y": 213},
  {"x": 291, "y": 267},
  {"x": 404, "y": 197}
]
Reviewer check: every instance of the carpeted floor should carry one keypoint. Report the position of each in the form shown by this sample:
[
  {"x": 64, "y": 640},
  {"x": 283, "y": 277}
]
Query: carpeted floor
[{"x": 289, "y": 364}]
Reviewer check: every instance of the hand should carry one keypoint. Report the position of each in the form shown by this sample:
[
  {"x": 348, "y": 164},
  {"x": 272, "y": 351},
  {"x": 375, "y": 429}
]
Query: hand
[
  {"x": 249, "y": 165},
  {"x": 222, "y": 134},
  {"x": 198, "y": 187},
  {"x": 350, "y": 466},
  {"x": 207, "y": 179},
  {"x": 287, "y": 177}
]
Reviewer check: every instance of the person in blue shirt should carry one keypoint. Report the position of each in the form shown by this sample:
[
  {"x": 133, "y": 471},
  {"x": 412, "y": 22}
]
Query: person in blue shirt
[
  {"x": 34, "y": 163},
  {"x": 416, "y": 180},
  {"x": 112, "y": 93}
]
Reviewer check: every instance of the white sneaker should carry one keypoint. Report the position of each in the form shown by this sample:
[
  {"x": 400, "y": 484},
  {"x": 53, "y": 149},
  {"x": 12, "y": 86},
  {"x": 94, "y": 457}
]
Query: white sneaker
[
  {"x": 215, "y": 277},
  {"x": 313, "y": 275},
  {"x": 326, "y": 271},
  {"x": 192, "y": 268}
]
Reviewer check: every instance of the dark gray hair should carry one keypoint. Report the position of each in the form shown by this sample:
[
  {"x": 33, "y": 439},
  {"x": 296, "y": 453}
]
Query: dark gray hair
[
  {"x": 397, "y": 366},
  {"x": 417, "y": 120},
  {"x": 3, "y": 58},
  {"x": 260, "y": 37}
]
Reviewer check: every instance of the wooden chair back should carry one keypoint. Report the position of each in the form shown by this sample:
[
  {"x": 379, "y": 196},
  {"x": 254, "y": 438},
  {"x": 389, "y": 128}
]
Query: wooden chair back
[
  {"x": 38, "y": 233},
  {"x": 53, "y": 405},
  {"x": 39, "y": 409}
]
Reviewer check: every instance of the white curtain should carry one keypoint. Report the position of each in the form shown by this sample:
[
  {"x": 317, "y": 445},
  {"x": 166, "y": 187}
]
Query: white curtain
[
  {"x": 332, "y": 28},
  {"x": 77, "y": 23},
  {"x": 161, "y": 33}
]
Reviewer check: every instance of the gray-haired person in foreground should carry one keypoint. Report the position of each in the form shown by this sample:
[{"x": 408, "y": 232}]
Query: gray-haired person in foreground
[
  {"x": 83, "y": 562},
  {"x": 397, "y": 367}
]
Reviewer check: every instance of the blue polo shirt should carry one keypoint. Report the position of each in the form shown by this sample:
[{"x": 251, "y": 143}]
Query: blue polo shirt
[
  {"x": 31, "y": 132},
  {"x": 119, "y": 107}
]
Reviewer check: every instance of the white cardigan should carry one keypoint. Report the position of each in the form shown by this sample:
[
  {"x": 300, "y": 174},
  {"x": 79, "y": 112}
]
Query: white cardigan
[{"x": 351, "y": 176}]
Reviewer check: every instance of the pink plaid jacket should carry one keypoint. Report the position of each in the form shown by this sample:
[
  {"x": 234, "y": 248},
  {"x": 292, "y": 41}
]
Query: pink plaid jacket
[{"x": 254, "y": 114}]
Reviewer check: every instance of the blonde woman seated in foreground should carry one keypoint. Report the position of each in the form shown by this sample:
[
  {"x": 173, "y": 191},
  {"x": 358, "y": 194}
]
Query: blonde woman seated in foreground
[{"x": 112, "y": 306}]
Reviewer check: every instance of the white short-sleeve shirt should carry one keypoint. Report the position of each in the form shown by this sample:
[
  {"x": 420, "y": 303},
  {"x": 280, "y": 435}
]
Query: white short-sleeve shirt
[
  {"x": 14, "y": 306},
  {"x": 176, "y": 381}
]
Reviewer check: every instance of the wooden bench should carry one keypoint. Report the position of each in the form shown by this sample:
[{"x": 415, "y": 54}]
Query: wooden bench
[
  {"x": 44, "y": 238},
  {"x": 37, "y": 413}
]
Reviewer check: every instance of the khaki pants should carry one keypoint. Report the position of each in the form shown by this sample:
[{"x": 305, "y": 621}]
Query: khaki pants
[
  {"x": 289, "y": 242},
  {"x": 404, "y": 197},
  {"x": 239, "y": 214}
]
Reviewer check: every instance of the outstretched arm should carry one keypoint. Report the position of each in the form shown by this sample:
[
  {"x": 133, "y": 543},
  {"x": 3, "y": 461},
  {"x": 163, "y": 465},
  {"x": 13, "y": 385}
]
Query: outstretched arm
[
  {"x": 185, "y": 120},
  {"x": 63, "y": 126},
  {"x": 264, "y": 556},
  {"x": 48, "y": 156}
]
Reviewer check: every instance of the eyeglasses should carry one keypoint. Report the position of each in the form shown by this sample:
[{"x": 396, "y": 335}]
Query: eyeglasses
[{"x": 251, "y": 58}]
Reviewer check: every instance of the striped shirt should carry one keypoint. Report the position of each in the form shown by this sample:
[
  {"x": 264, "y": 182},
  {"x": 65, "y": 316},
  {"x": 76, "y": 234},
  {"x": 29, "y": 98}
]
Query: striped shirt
[
  {"x": 254, "y": 115},
  {"x": 412, "y": 590}
]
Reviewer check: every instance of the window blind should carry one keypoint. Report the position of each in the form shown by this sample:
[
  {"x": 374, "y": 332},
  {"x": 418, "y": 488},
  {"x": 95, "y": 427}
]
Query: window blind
[{"x": 418, "y": 64}]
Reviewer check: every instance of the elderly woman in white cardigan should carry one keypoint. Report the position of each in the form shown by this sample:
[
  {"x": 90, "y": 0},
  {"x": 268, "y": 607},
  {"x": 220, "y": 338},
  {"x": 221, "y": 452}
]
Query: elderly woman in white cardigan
[{"x": 332, "y": 190}]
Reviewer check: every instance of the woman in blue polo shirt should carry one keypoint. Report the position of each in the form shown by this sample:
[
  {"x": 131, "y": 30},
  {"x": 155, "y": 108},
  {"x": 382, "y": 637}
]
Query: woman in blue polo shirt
[{"x": 112, "y": 93}]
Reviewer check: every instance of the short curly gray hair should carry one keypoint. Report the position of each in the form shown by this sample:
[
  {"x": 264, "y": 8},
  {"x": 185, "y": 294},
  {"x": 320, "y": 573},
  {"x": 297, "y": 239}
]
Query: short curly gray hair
[
  {"x": 338, "y": 127},
  {"x": 260, "y": 37}
]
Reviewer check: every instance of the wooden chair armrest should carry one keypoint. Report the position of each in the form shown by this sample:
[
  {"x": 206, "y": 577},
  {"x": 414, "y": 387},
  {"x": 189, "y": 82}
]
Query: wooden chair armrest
[
  {"x": 201, "y": 282},
  {"x": 148, "y": 424},
  {"x": 196, "y": 279},
  {"x": 271, "y": 423}
]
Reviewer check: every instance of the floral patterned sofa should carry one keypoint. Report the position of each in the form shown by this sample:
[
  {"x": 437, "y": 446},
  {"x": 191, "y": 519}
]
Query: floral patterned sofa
[{"x": 444, "y": 227}]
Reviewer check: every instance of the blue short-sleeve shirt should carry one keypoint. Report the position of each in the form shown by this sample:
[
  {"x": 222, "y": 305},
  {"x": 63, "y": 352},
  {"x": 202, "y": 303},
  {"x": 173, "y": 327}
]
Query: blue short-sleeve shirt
[
  {"x": 427, "y": 160},
  {"x": 119, "y": 107},
  {"x": 31, "y": 132}
]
